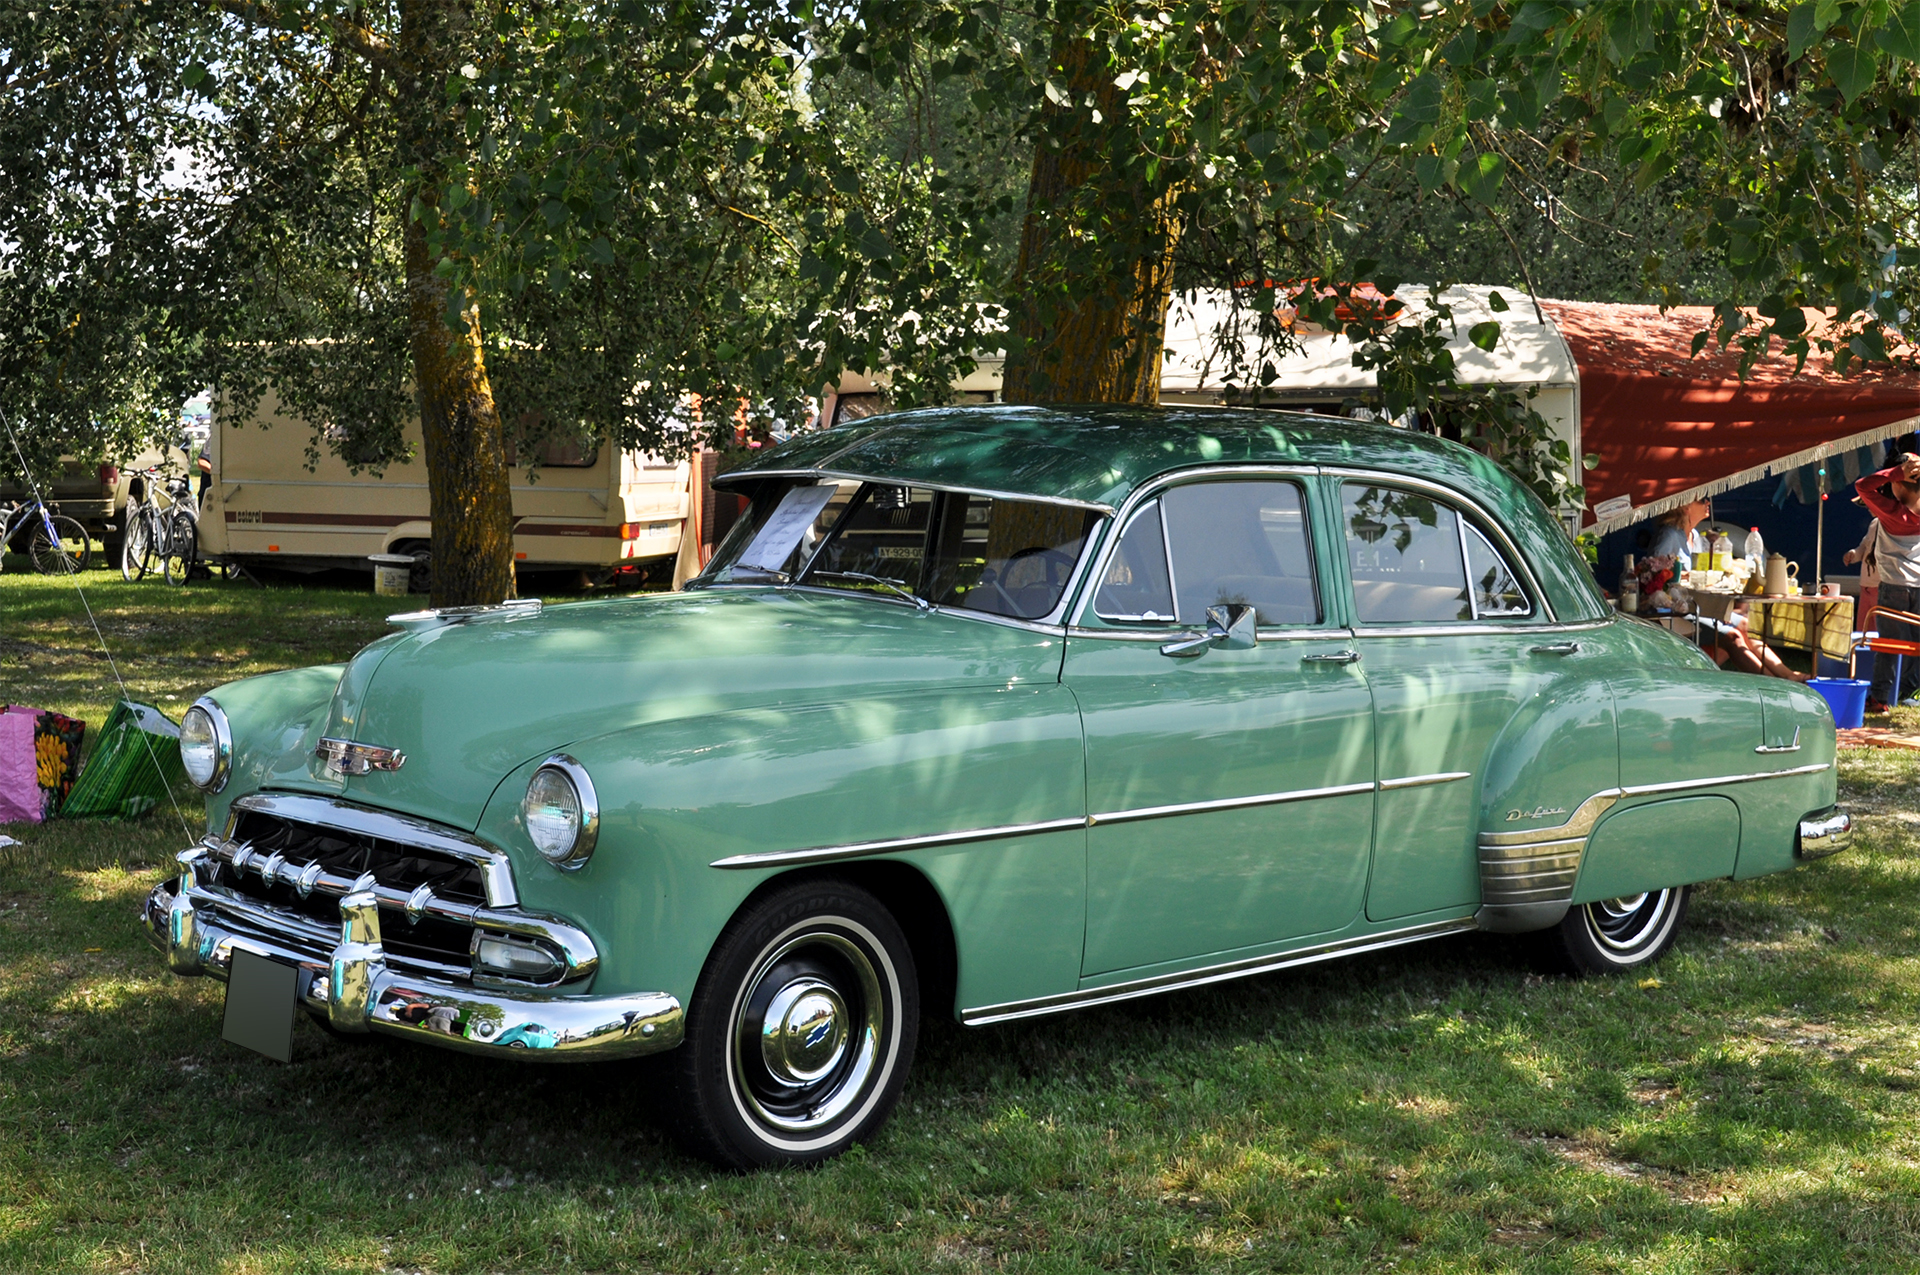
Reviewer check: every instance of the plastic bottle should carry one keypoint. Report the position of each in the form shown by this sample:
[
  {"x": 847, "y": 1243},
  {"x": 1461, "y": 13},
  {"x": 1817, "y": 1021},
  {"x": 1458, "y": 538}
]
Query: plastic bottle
[
  {"x": 1629, "y": 587},
  {"x": 1696, "y": 551},
  {"x": 1722, "y": 553},
  {"x": 1755, "y": 551}
]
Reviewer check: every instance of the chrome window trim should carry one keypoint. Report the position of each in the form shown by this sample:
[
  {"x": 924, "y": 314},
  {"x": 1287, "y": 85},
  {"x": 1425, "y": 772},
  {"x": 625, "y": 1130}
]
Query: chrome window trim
[
  {"x": 1466, "y": 561},
  {"x": 892, "y": 480},
  {"x": 331, "y": 812},
  {"x": 983, "y": 1015},
  {"x": 1121, "y": 534},
  {"x": 1151, "y": 489},
  {"x": 1460, "y": 498},
  {"x": 1049, "y": 623}
]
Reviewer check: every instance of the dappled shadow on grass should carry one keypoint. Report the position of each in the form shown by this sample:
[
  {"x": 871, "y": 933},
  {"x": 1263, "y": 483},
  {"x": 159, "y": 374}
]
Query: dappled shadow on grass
[{"x": 1437, "y": 1106}]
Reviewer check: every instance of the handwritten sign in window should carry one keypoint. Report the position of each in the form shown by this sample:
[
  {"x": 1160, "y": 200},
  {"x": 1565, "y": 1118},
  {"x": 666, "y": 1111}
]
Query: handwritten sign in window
[{"x": 776, "y": 540}]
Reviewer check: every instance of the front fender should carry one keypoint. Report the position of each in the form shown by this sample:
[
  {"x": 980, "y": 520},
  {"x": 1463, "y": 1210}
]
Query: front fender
[
  {"x": 276, "y": 720},
  {"x": 679, "y": 795}
]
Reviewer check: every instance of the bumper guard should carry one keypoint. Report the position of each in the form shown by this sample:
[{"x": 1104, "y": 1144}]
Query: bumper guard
[
  {"x": 1828, "y": 832},
  {"x": 355, "y": 989}
]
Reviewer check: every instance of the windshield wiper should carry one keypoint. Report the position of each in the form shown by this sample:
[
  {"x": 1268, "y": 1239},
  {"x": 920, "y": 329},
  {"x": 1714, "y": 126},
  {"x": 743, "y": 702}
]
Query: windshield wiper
[
  {"x": 739, "y": 574},
  {"x": 895, "y": 586}
]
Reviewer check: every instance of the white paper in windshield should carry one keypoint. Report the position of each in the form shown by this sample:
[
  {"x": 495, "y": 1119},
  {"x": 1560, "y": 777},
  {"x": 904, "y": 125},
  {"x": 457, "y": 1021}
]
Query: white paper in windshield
[{"x": 797, "y": 511}]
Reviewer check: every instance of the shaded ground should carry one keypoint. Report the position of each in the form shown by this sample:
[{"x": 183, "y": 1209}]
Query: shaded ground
[{"x": 1750, "y": 1107}]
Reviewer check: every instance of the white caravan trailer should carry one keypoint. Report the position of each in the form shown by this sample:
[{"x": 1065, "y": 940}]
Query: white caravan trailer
[{"x": 594, "y": 511}]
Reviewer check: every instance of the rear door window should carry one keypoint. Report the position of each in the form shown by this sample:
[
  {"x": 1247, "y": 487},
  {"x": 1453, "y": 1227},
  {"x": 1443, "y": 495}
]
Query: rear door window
[{"x": 1417, "y": 560}]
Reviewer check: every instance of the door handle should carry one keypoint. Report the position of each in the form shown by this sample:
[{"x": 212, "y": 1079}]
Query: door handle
[
  {"x": 1337, "y": 657},
  {"x": 1557, "y": 648},
  {"x": 1792, "y": 747}
]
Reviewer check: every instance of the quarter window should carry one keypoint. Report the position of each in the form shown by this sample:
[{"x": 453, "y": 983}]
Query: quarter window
[
  {"x": 1415, "y": 560},
  {"x": 1210, "y": 543}
]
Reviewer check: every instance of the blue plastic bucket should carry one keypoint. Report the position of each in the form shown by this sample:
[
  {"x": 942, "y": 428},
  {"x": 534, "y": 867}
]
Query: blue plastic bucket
[{"x": 1846, "y": 696}]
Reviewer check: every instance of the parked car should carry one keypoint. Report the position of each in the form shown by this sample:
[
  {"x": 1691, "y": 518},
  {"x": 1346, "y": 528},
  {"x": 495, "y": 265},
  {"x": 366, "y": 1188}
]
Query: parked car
[{"x": 986, "y": 712}]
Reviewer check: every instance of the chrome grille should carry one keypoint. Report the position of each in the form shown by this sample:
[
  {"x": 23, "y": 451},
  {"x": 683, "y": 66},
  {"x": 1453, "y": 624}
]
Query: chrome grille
[{"x": 306, "y": 870}]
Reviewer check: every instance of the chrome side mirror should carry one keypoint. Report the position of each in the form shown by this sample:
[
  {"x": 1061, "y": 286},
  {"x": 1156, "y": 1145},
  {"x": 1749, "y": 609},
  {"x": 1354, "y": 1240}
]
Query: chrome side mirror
[{"x": 1231, "y": 627}]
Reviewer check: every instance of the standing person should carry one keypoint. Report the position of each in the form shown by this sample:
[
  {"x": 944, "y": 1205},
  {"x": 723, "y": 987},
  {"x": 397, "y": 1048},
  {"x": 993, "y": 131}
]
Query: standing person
[
  {"x": 1893, "y": 495},
  {"x": 1866, "y": 553}
]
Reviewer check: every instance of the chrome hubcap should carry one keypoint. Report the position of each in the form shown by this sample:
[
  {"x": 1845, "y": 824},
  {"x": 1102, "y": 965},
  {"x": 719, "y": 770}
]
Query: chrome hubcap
[
  {"x": 1628, "y": 923},
  {"x": 809, "y": 1029},
  {"x": 804, "y": 1034}
]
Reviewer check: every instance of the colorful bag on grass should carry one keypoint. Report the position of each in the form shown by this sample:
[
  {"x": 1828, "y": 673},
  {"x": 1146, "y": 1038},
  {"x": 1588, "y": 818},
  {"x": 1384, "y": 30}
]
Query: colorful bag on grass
[
  {"x": 39, "y": 758},
  {"x": 135, "y": 762}
]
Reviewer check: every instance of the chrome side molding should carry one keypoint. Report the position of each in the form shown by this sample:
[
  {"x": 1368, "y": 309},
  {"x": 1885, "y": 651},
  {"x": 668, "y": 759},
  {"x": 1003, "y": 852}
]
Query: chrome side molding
[{"x": 1134, "y": 988}]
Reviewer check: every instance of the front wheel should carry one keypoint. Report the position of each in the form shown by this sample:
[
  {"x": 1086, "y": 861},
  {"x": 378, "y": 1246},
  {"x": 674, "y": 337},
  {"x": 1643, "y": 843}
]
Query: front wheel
[
  {"x": 1623, "y": 934},
  {"x": 800, "y": 1032},
  {"x": 63, "y": 552}
]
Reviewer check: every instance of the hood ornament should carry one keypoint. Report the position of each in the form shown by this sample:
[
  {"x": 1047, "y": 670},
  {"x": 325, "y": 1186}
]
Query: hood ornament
[
  {"x": 512, "y": 609},
  {"x": 344, "y": 757}
]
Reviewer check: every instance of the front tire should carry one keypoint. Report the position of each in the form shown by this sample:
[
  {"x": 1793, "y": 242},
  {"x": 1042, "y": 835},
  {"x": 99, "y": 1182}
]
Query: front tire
[
  {"x": 800, "y": 1032},
  {"x": 66, "y": 552},
  {"x": 1615, "y": 935},
  {"x": 183, "y": 547}
]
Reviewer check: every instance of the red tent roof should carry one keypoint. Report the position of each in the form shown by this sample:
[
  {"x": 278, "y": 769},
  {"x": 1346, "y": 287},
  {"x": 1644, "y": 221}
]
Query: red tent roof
[{"x": 1669, "y": 428}]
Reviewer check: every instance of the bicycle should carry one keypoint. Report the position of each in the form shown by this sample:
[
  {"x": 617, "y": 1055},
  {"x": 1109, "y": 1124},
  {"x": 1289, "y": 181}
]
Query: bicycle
[
  {"x": 56, "y": 544},
  {"x": 163, "y": 537}
]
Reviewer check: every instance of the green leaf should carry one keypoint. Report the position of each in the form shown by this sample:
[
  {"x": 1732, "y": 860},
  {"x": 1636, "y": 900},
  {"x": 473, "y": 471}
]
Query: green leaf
[
  {"x": 1901, "y": 35},
  {"x": 457, "y": 197},
  {"x": 194, "y": 73},
  {"x": 1497, "y": 303},
  {"x": 1852, "y": 68},
  {"x": 1700, "y": 340},
  {"x": 1484, "y": 335},
  {"x": 1480, "y": 178}
]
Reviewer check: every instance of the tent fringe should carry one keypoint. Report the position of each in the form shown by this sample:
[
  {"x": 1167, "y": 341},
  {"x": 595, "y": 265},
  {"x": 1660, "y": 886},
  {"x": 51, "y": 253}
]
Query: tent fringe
[{"x": 1779, "y": 465}]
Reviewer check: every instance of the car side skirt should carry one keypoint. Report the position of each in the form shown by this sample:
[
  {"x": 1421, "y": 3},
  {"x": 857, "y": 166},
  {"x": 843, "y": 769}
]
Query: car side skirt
[{"x": 983, "y": 1015}]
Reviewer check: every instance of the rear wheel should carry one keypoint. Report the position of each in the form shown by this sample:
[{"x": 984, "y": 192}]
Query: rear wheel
[
  {"x": 66, "y": 550},
  {"x": 1625, "y": 933},
  {"x": 800, "y": 1032},
  {"x": 183, "y": 546}
]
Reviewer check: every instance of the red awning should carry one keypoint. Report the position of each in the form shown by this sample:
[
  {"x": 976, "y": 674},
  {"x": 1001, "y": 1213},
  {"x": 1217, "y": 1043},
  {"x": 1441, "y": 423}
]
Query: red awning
[{"x": 1669, "y": 428}]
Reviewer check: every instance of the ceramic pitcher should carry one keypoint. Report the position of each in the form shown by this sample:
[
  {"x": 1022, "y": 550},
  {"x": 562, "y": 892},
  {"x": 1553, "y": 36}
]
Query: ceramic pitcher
[{"x": 1780, "y": 572}]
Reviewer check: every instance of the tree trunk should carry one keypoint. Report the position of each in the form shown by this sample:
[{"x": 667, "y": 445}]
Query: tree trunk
[
  {"x": 468, "y": 487},
  {"x": 1096, "y": 251}
]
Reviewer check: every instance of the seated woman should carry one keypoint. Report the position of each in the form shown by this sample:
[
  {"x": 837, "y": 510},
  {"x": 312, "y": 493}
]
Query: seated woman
[{"x": 1733, "y": 647}]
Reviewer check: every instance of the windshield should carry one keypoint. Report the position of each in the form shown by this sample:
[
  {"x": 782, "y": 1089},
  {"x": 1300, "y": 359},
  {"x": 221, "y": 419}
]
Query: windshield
[{"x": 951, "y": 549}]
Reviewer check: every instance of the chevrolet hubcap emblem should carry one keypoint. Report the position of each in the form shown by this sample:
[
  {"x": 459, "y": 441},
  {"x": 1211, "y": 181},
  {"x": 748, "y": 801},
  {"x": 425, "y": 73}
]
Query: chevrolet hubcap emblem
[{"x": 344, "y": 757}]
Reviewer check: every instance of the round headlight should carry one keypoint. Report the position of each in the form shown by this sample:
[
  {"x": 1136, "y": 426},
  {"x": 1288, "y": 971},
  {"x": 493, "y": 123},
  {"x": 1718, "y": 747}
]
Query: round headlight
[
  {"x": 561, "y": 812},
  {"x": 206, "y": 746}
]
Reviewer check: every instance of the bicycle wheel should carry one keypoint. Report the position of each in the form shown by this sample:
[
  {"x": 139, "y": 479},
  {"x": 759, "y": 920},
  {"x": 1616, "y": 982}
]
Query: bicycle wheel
[
  {"x": 136, "y": 542},
  {"x": 62, "y": 549},
  {"x": 183, "y": 546}
]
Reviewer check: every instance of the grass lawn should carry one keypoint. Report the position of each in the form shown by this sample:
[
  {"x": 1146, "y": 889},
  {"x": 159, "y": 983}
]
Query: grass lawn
[{"x": 1441, "y": 1108}]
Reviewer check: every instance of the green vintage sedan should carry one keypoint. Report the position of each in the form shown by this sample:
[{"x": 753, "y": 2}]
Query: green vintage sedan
[{"x": 992, "y": 712}]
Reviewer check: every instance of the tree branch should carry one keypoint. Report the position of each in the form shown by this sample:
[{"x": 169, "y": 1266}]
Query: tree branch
[{"x": 352, "y": 35}]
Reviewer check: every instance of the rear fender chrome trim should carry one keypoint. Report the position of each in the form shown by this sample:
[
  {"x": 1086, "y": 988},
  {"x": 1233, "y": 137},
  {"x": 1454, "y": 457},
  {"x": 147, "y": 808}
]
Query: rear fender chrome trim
[{"x": 982, "y": 1015}]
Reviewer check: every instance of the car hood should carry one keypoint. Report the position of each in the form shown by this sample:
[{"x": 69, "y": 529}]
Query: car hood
[{"x": 466, "y": 703}]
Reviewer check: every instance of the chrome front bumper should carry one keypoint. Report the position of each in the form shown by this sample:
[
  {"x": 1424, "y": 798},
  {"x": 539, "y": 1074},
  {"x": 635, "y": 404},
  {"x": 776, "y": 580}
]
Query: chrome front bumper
[
  {"x": 1825, "y": 833},
  {"x": 354, "y": 988}
]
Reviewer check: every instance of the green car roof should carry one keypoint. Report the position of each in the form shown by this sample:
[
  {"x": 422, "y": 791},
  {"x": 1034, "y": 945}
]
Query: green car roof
[{"x": 1096, "y": 455}]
